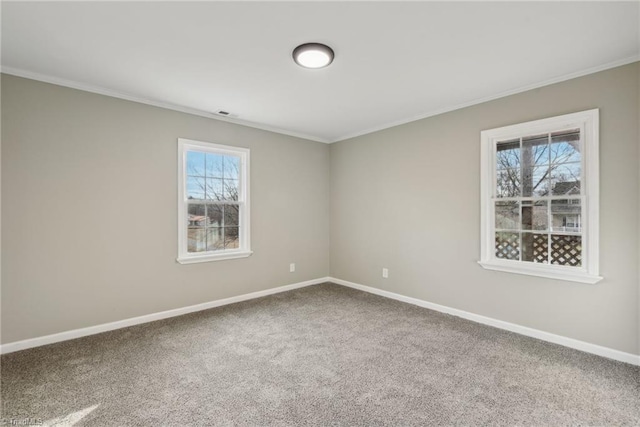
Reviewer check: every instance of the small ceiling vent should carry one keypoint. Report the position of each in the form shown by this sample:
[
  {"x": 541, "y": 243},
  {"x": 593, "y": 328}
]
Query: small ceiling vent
[{"x": 225, "y": 113}]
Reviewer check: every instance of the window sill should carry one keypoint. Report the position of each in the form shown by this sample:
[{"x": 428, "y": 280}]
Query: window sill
[
  {"x": 213, "y": 257},
  {"x": 548, "y": 271}
]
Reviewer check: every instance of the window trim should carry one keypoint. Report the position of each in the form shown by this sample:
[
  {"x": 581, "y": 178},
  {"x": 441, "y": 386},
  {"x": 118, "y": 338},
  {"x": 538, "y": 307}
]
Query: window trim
[
  {"x": 588, "y": 122},
  {"x": 244, "y": 250}
]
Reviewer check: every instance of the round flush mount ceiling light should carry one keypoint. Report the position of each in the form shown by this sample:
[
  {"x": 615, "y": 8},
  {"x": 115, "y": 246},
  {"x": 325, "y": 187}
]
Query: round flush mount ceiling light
[{"x": 313, "y": 55}]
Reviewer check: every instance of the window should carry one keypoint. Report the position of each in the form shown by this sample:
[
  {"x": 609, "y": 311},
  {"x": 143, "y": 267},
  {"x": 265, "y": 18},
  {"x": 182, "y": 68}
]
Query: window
[
  {"x": 213, "y": 202},
  {"x": 539, "y": 196}
]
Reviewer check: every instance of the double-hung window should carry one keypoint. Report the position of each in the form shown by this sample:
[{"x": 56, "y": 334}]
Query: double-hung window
[
  {"x": 213, "y": 202},
  {"x": 539, "y": 197}
]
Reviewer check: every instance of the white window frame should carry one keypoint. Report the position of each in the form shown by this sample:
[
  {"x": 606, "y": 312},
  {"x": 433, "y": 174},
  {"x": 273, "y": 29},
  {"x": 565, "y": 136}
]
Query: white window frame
[
  {"x": 244, "y": 249},
  {"x": 588, "y": 122}
]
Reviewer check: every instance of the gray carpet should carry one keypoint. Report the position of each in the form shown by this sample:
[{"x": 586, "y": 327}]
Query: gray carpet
[{"x": 322, "y": 355}]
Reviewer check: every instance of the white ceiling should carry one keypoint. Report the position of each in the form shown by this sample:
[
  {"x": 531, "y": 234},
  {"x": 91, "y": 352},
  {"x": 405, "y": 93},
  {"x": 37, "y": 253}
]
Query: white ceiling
[{"x": 395, "y": 61}]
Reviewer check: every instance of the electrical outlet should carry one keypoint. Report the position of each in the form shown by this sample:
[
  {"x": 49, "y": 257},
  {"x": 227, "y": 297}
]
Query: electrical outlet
[
  {"x": 385, "y": 273},
  {"x": 292, "y": 267}
]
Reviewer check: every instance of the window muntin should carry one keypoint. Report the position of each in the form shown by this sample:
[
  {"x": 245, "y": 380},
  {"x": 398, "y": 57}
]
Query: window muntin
[
  {"x": 539, "y": 197},
  {"x": 213, "y": 202},
  {"x": 538, "y": 183}
]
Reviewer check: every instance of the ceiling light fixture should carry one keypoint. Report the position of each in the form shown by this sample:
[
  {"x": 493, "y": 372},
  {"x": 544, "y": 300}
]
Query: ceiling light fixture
[{"x": 313, "y": 55}]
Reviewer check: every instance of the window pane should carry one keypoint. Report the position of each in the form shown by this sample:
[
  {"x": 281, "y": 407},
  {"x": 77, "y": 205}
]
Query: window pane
[
  {"x": 508, "y": 183},
  {"x": 231, "y": 167},
  {"x": 535, "y": 181},
  {"x": 195, "y": 188},
  {"x": 211, "y": 183},
  {"x": 566, "y": 250},
  {"x": 195, "y": 163},
  {"x": 230, "y": 189},
  {"x": 196, "y": 215},
  {"x": 535, "y": 215},
  {"x": 508, "y": 154},
  {"x": 507, "y": 215},
  {"x": 535, "y": 248},
  {"x": 231, "y": 237},
  {"x": 215, "y": 189},
  {"x": 215, "y": 240},
  {"x": 214, "y": 215},
  {"x": 565, "y": 179},
  {"x": 507, "y": 245},
  {"x": 566, "y": 215},
  {"x": 214, "y": 165},
  {"x": 231, "y": 215},
  {"x": 566, "y": 146},
  {"x": 535, "y": 150},
  {"x": 196, "y": 239}
]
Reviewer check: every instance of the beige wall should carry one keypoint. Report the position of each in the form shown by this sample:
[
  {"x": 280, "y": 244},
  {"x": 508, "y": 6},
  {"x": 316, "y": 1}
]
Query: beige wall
[
  {"x": 89, "y": 231},
  {"x": 407, "y": 198}
]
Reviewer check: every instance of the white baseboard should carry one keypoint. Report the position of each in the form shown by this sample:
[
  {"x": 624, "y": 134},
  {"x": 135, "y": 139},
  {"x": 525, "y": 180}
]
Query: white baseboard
[
  {"x": 92, "y": 330},
  {"x": 523, "y": 330}
]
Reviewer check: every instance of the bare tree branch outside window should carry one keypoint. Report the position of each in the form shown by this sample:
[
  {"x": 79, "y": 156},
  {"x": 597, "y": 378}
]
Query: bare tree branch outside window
[
  {"x": 531, "y": 172},
  {"x": 212, "y": 194}
]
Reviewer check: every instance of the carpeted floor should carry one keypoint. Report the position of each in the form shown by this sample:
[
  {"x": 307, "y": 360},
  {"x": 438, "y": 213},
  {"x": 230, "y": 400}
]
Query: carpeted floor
[{"x": 322, "y": 355}]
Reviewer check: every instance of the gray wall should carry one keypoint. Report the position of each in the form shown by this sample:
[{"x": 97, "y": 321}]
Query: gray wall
[
  {"x": 89, "y": 215},
  {"x": 407, "y": 198},
  {"x": 89, "y": 231}
]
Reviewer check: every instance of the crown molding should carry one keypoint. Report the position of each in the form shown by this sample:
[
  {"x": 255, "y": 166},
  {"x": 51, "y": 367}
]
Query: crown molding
[
  {"x": 565, "y": 77},
  {"x": 194, "y": 111},
  {"x": 153, "y": 102}
]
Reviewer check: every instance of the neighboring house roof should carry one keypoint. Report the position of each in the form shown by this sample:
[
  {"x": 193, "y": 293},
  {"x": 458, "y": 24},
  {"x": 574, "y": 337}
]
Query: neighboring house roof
[
  {"x": 197, "y": 218},
  {"x": 569, "y": 188},
  {"x": 566, "y": 188}
]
